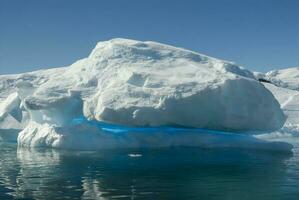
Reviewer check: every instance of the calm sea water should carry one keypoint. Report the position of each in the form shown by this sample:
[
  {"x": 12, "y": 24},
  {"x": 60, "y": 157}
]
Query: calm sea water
[{"x": 172, "y": 173}]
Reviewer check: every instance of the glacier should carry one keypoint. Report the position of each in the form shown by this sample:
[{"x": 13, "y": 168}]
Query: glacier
[{"x": 130, "y": 93}]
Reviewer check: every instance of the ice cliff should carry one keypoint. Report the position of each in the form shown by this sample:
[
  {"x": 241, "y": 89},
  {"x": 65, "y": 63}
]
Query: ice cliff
[{"x": 131, "y": 84}]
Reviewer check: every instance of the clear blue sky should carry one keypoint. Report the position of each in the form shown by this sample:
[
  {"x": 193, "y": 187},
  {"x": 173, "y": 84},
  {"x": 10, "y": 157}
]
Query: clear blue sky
[{"x": 258, "y": 34}]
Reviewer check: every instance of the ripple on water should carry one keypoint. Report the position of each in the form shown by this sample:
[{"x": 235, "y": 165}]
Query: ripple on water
[{"x": 165, "y": 173}]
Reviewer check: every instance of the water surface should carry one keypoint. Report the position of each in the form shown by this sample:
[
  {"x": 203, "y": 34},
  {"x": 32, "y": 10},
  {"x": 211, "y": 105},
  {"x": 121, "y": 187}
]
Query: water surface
[{"x": 166, "y": 173}]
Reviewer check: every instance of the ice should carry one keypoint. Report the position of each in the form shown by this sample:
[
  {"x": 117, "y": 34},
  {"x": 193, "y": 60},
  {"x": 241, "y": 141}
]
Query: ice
[
  {"x": 93, "y": 135},
  {"x": 145, "y": 85},
  {"x": 288, "y": 99},
  {"x": 12, "y": 117},
  {"x": 287, "y": 78}
]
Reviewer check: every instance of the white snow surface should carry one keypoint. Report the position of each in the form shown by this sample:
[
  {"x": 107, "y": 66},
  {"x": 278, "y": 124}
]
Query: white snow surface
[
  {"x": 137, "y": 84},
  {"x": 287, "y": 78},
  {"x": 289, "y": 100}
]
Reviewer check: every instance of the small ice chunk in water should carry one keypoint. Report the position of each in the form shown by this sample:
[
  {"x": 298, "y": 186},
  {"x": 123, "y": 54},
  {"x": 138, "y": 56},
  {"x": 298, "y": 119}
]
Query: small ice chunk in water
[{"x": 134, "y": 155}]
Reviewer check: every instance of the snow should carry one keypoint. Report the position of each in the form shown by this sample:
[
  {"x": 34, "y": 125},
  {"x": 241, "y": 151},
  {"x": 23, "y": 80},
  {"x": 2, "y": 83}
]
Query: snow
[
  {"x": 289, "y": 101},
  {"x": 11, "y": 115},
  {"x": 139, "y": 84},
  {"x": 287, "y": 78}
]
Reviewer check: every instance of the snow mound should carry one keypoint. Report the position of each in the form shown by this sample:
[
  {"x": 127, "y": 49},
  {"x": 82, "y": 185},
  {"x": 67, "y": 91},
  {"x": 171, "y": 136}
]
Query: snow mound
[
  {"x": 289, "y": 101},
  {"x": 134, "y": 83},
  {"x": 287, "y": 78}
]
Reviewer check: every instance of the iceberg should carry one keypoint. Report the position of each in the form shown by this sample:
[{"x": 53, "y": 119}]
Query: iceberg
[
  {"x": 286, "y": 78},
  {"x": 130, "y": 93},
  {"x": 284, "y": 85}
]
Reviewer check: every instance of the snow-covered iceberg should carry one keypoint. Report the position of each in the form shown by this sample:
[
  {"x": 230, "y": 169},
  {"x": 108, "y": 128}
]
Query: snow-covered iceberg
[
  {"x": 136, "y": 84},
  {"x": 284, "y": 85},
  {"x": 286, "y": 78}
]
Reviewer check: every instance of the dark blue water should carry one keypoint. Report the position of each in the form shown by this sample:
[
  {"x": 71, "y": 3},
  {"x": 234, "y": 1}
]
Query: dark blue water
[{"x": 170, "y": 173}]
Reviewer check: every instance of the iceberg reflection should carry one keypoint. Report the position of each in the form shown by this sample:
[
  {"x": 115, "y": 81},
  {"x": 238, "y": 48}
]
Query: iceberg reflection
[{"x": 106, "y": 174}]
